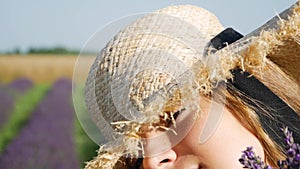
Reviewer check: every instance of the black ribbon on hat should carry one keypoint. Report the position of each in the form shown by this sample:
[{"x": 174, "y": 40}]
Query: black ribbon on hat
[{"x": 281, "y": 114}]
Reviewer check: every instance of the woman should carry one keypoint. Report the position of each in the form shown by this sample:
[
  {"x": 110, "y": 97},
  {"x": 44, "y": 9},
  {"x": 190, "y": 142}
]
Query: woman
[{"x": 166, "y": 95}]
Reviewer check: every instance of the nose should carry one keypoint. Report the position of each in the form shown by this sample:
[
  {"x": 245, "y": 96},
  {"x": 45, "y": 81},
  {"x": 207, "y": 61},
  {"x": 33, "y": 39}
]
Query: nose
[{"x": 161, "y": 161}]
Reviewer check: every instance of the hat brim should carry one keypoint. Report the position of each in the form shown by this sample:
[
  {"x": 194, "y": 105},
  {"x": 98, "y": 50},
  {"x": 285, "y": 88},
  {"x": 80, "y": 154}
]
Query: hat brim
[{"x": 274, "y": 45}]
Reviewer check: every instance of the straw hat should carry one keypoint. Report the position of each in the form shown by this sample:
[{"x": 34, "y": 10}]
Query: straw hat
[{"x": 153, "y": 67}]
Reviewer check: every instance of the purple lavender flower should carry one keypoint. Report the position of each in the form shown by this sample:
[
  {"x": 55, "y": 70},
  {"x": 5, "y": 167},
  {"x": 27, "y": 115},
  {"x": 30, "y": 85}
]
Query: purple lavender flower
[
  {"x": 20, "y": 85},
  {"x": 292, "y": 161},
  {"x": 6, "y": 105},
  {"x": 9, "y": 93},
  {"x": 47, "y": 139},
  {"x": 251, "y": 161}
]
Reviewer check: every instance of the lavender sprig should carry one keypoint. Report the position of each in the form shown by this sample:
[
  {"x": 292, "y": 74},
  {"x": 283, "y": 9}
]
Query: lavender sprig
[
  {"x": 252, "y": 161},
  {"x": 292, "y": 161}
]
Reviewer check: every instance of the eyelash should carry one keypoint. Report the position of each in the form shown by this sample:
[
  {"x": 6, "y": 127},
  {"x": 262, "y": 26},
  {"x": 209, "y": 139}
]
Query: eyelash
[{"x": 177, "y": 113}]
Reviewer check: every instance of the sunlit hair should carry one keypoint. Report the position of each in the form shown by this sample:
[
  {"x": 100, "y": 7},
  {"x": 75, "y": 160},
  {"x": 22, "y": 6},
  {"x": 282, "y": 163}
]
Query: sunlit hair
[
  {"x": 245, "y": 109},
  {"x": 282, "y": 47},
  {"x": 239, "y": 105}
]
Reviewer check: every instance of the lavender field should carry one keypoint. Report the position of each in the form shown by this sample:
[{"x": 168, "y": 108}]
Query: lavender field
[
  {"x": 39, "y": 128},
  {"x": 8, "y": 94}
]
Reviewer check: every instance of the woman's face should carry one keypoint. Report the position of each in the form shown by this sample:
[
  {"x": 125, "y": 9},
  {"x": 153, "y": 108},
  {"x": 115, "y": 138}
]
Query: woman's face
[{"x": 222, "y": 150}]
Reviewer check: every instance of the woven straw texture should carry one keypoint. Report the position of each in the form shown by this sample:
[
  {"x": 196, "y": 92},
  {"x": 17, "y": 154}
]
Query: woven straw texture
[
  {"x": 149, "y": 55},
  {"x": 147, "y": 44},
  {"x": 155, "y": 51}
]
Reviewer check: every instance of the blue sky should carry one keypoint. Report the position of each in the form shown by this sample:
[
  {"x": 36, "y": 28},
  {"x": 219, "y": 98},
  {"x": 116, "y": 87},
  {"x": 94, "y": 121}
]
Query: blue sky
[{"x": 41, "y": 23}]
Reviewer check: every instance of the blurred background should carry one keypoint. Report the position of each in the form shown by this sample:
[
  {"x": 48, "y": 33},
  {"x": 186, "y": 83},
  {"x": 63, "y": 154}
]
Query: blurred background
[{"x": 39, "y": 45}]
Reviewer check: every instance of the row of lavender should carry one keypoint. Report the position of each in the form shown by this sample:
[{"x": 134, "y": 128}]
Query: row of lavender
[
  {"x": 8, "y": 94},
  {"x": 47, "y": 140}
]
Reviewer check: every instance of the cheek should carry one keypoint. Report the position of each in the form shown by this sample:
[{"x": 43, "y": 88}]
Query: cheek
[
  {"x": 225, "y": 146},
  {"x": 221, "y": 152}
]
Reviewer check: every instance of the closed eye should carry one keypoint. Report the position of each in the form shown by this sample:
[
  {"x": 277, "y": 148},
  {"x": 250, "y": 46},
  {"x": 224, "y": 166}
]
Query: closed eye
[{"x": 177, "y": 113}]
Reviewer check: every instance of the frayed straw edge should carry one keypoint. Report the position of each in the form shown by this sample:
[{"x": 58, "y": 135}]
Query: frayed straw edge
[{"x": 253, "y": 56}]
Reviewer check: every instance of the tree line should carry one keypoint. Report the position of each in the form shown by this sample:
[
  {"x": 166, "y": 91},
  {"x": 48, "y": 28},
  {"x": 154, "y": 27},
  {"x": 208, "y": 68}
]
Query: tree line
[{"x": 44, "y": 50}]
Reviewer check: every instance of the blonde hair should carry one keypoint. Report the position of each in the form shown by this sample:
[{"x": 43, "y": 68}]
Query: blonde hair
[
  {"x": 279, "y": 45},
  {"x": 278, "y": 73},
  {"x": 239, "y": 106},
  {"x": 244, "y": 109}
]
